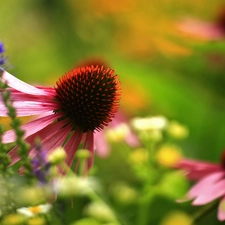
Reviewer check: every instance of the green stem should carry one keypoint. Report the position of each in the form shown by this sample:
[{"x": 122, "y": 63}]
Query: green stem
[{"x": 204, "y": 211}]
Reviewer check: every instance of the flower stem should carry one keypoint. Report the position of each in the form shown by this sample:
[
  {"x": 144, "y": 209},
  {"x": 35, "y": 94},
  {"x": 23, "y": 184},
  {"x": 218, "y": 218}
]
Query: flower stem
[{"x": 204, "y": 211}]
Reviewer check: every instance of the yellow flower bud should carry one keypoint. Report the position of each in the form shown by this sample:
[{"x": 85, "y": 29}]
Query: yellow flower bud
[
  {"x": 57, "y": 156},
  {"x": 177, "y": 217},
  {"x": 168, "y": 155},
  {"x": 13, "y": 219},
  {"x": 36, "y": 221},
  {"x": 118, "y": 133},
  {"x": 176, "y": 130}
]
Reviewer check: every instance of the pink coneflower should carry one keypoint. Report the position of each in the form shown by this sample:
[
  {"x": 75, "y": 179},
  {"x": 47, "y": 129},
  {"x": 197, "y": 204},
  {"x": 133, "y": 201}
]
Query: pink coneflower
[
  {"x": 83, "y": 102},
  {"x": 210, "y": 185}
]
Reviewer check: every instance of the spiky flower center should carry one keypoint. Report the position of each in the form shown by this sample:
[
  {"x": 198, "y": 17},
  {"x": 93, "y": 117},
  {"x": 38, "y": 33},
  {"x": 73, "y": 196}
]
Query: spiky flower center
[{"x": 88, "y": 97}]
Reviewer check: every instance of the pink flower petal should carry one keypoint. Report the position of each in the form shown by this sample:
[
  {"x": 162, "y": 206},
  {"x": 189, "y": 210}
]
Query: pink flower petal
[
  {"x": 221, "y": 210},
  {"x": 204, "y": 185},
  {"x": 21, "y": 96},
  {"x": 30, "y": 128},
  {"x": 196, "y": 170},
  {"x": 52, "y": 140},
  {"x": 21, "y": 86},
  {"x": 72, "y": 146},
  {"x": 89, "y": 145},
  {"x": 25, "y": 108},
  {"x": 213, "y": 192},
  {"x": 47, "y": 132}
]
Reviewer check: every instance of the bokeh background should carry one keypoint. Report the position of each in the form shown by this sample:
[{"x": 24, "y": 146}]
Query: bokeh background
[{"x": 163, "y": 70}]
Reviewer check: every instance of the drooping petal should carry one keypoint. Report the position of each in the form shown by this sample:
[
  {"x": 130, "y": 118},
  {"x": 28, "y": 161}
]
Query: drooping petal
[
  {"x": 221, "y": 210},
  {"x": 30, "y": 128},
  {"x": 49, "y": 132},
  {"x": 196, "y": 170},
  {"x": 53, "y": 140},
  {"x": 21, "y": 86},
  {"x": 89, "y": 145},
  {"x": 211, "y": 193},
  {"x": 71, "y": 147},
  {"x": 50, "y": 142},
  {"x": 204, "y": 185}
]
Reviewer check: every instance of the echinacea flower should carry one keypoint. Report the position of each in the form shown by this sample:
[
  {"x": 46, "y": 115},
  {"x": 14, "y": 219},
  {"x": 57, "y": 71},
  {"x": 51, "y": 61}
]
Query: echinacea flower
[
  {"x": 210, "y": 185},
  {"x": 83, "y": 102}
]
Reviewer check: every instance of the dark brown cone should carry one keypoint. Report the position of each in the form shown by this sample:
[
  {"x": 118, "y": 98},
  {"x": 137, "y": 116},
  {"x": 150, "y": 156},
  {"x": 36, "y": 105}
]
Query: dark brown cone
[{"x": 89, "y": 97}]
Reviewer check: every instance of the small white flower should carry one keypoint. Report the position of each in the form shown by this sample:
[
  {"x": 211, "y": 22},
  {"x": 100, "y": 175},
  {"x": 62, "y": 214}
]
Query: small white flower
[
  {"x": 149, "y": 123},
  {"x": 34, "y": 210}
]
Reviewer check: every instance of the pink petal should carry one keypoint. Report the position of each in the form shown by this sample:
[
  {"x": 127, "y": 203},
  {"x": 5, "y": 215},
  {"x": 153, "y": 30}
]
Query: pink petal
[
  {"x": 21, "y": 86},
  {"x": 72, "y": 146},
  {"x": 52, "y": 140},
  {"x": 212, "y": 192},
  {"x": 101, "y": 145},
  {"x": 21, "y": 96},
  {"x": 196, "y": 170},
  {"x": 46, "y": 133},
  {"x": 221, "y": 210},
  {"x": 35, "y": 103},
  {"x": 30, "y": 128},
  {"x": 204, "y": 184},
  {"x": 89, "y": 145}
]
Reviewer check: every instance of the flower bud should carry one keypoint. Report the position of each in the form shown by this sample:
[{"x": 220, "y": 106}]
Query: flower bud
[
  {"x": 100, "y": 212},
  {"x": 74, "y": 186},
  {"x": 13, "y": 219},
  {"x": 177, "y": 217},
  {"x": 124, "y": 194},
  {"x": 83, "y": 154},
  {"x": 176, "y": 130},
  {"x": 36, "y": 221},
  {"x": 168, "y": 155},
  {"x": 138, "y": 156},
  {"x": 57, "y": 156},
  {"x": 149, "y": 123},
  {"x": 118, "y": 133}
]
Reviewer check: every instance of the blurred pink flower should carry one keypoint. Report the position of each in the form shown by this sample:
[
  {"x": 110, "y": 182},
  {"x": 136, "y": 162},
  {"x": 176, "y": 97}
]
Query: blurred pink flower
[
  {"x": 214, "y": 30},
  {"x": 83, "y": 102},
  {"x": 101, "y": 143},
  {"x": 210, "y": 185}
]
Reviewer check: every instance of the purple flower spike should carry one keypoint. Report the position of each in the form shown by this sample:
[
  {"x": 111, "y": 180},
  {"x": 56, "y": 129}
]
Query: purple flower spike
[
  {"x": 2, "y": 50},
  {"x": 41, "y": 165}
]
